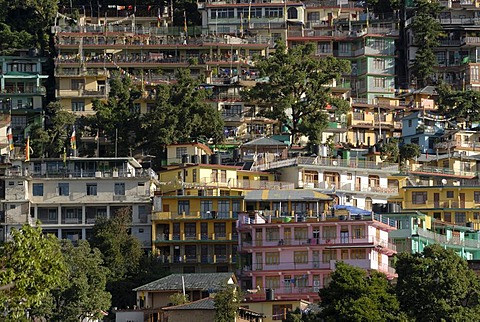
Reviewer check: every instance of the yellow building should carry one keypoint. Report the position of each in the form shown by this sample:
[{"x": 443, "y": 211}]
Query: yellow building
[{"x": 195, "y": 214}]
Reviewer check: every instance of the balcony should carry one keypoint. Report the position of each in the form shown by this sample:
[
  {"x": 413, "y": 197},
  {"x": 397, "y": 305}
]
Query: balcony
[
  {"x": 23, "y": 90},
  {"x": 212, "y": 237},
  {"x": 436, "y": 171},
  {"x": 444, "y": 240},
  {"x": 67, "y": 173},
  {"x": 198, "y": 259}
]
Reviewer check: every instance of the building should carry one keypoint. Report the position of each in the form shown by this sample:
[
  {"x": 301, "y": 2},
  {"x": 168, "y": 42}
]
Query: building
[
  {"x": 292, "y": 253},
  {"x": 195, "y": 213},
  {"x": 358, "y": 179},
  {"x": 68, "y": 196},
  {"x": 22, "y": 95},
  {"x": 276, "y": 310},
  {"x": 416, "y": 230},
  {"x": 197, "y": 286}
]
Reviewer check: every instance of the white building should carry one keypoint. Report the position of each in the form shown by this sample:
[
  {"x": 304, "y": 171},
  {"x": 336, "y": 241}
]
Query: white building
[{"x": 67, "y": 197}]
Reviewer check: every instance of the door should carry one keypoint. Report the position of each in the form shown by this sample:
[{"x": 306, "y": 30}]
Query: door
[
  {"x": 436, "y": 200},
  {"x": 462, "y": 200}
]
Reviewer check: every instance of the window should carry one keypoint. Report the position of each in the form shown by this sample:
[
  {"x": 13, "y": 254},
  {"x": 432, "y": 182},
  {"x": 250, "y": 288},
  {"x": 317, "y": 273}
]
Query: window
[
  {"x": 313, "y": 16},
  {"x": 119, "y": 189},
  {"x": 358, "y": 232},
  {"x": 63, "y": 189},
  {"x": 205, "y": 206},
  {"x": 272, "y": 282},
  {"x": 278, "y": 311},
  {"x": 273, "y": 12},
  {"x": 37, "y": 189},
  {"x": 449, "y": 194},
  {"x": 91, "y": 189},
  {"x": 328, "y": 255},
  {"x": 220, "y": 229},
  {"x": 78, "y": 106},
  {"x": 273, "y": 234},
  {"x": 379, "y": 82},
  {"x": 180, "y": 151},
  {"x": 460, "y": 218},
  {"x": 476, "y": 196},
  {"x": 447, "y": 216},
  {"x": 222, "y": 13},
  {"x": 300, "y": 257},
  {"x": 419, "y": 198},
  {"x": 244, "y": 12},
  {"x": 358, "y": 254},
  {"x": 194, "y": 175},
  {"x": 300, "y": 233},
  {"x": 77, "y": 84},
  {"x": 330, "y": 232},
  {"x": 224, "y": 208},
  {"x": 184, "y": 207},
  {"x": 191, "y": 230},
  {"x": 379, "y": 63},
  {"x": 272, "y": 258}
]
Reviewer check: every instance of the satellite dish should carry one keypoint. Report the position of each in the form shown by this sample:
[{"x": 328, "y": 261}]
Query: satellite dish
[
  {"x": 444, "y": 181},
  {"x": 335, "y": 163}
]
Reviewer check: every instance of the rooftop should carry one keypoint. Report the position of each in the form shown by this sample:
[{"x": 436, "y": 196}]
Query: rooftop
[{"x": 199, "y": 281}]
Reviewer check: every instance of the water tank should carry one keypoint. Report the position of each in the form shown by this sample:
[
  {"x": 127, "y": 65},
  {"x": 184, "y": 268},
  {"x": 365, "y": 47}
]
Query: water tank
[
  {"x": 195, "y": 159},
  {"x": 269, "y": 294},
  {"x": 185, "y": 158},
  {"x": 216, "y": 159},
  {"x": 205, "y": 159},
  {"x": 379, "y": 208},
  {"x": 316, "y": 149}
]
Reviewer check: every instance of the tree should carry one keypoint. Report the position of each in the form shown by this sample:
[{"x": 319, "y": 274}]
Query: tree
[
  {"x": 427, "y": 33},
  {"x": 227, "y": 302},
  {"x": 181, "y": 114},
  {"x": 463, "y": 106},
  {"x": 178, "y": 299},
  {"x": 301, "y": 316},
  {"x": 297, "y": 90},
  {"x": 11, "y": 39},
  {"x": 354, "y": 295},
  {"x": 32, "y": 265},
  {"x": 51, "y": 141},
  {"x": 83, "y": 292},
  {"x": 122, "y": 254},
  {"x": 118, "y": 117},
  {"x": 437, "y": 285},
  {"x": 390, "y": 151},
  {"x": 409, "y": 151}
]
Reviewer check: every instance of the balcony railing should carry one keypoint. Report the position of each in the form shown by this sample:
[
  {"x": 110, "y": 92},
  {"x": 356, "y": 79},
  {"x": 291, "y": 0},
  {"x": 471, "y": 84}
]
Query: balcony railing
[
  {"x": 203, "y": 259},
  {"x": 67, "y": 173},
  {"x": 219, "y": 236},
  {"x": 442, "y": 239},
  {"x": 443, "y": 171}
]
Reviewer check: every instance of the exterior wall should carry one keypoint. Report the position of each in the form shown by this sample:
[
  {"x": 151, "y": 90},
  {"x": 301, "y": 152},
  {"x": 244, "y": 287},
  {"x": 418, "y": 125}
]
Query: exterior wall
[
  {"x": 190, "y": 315},
  {"x": 295, "y": 259},
  {"x": 267, "y": 308},
  {"x": 129, "y": 316}
]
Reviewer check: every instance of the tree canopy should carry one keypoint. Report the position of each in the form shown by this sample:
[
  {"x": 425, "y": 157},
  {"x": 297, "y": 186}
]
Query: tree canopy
[
  {"x": 463, "y": 106},
  {"x": 354, "y": 295},
  {"x": 296, "y": 91},
  {"x": 437, "y": 285},
  {"x": 227, "y": 302},
  {"x": 181, "y": 114},
  {"x": 427, "y": 33},
  {"x": 32, "y": 265},
  {"x": 83, "y": 292}
]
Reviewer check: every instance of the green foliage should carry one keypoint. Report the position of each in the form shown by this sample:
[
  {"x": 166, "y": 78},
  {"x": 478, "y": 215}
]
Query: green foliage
[
  {"x": 181, "y": 114},
  {"x": 390, "y": 150},
  {"x": 354, "y": 295},
  {"x": 32, "y": 265},
  {"x": 51, "y": 141},
  {"x": 178, "y": 299},
  {"x": 299, "y": 316},
  {"x": 9, "y": 39},
  {"x": 461, "y": 105},
  {"x": 121, "y": 251},
  {"x": 118, "y": 117},
  {"x": 384, "y": 6},
  {"x": 437, "y": 285},
  {"x": 227, "y": 302},
  {"x": 427, "y": 33},
  {"x": 297, "y": 91},
  {"x": 82, "y": 293},
  {"x": 409, "y": 151}
]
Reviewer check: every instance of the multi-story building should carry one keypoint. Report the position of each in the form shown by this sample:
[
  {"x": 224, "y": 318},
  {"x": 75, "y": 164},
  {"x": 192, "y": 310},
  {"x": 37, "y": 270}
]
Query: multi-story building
[
  {"x": 91, "y": 50},
  {"x": 67, "y": 197},
  {"x": 457, "y": 54},
  {"x": 195, "y": 214},
  {"x": 416, "y": 230},
  {"x": 22, "y": 94},
  {"x": 358, "y": 181},
  {"x": 292, "y": 247}
]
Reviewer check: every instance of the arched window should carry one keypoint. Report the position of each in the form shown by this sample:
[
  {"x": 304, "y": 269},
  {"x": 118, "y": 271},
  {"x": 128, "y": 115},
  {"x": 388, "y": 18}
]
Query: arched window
[
  {"x": 292, "y": 13},
  {"x": 368, "y": 203}
]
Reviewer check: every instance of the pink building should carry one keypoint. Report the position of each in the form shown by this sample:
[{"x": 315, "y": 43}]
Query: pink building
[{"x": 292, "y": 257}]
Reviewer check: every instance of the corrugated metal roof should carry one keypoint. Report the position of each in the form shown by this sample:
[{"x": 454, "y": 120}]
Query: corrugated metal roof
[
  {"x": 199, "y": 281},
  {"x": 285, "y": 195},
  {"x": 265, "y": 142}
]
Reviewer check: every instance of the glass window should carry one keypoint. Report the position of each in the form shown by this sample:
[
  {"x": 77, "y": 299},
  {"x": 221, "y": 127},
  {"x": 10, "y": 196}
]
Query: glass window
[
  {"x": 78, "y": 106},
  {"x": 449, "y": 194},
  {"x": 220, "y": 229},
  {"x": 180, "y": 151},
  {"x": 460, "y": 218},
  {"x": 279, "y": 310},
  {"x": 91, "y": 189},
  {"x": 358, "y": 254},
  {"x": 119, "y": 189},
  {"x": 300, "y": 233},
  {"x": 205, "y": 206},
  {"x": 328, "y": 255},
  {"x": 37, "y": 189},
  {"x": 63, "y": 189},
  {"x": 184, "y": 207},
  {"x": 300, "y": 257},
  {"x": 272, "y": 258},
  {"x": 419, "y": 198},
  {"x": 223, "y": 208},
  {"x": 77, "y": 84},
  {"x": 273, "y": 234}
]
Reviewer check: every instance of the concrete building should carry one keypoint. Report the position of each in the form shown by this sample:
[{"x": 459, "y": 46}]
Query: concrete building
[
  {"x": 67, "y": 197},
  {"x": 293, "y": 256}
]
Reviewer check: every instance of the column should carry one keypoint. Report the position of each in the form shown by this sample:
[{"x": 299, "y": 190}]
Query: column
[
  {"x": 84, "y": 215},
  {"x": 59, "y": 210}
]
